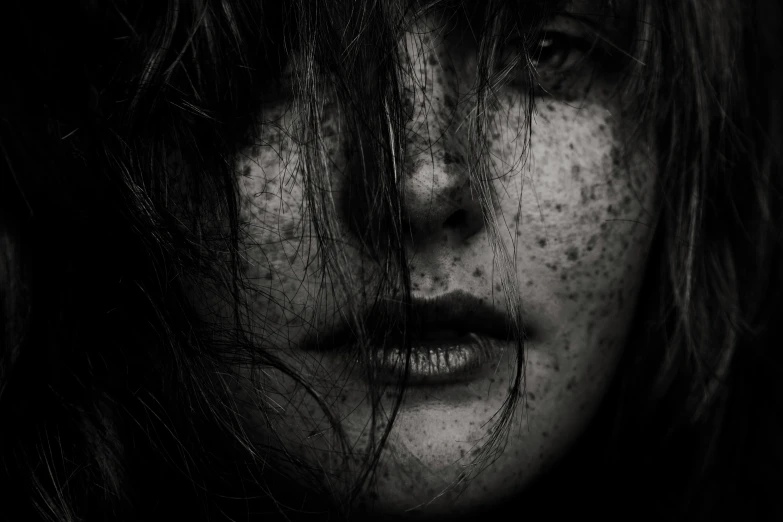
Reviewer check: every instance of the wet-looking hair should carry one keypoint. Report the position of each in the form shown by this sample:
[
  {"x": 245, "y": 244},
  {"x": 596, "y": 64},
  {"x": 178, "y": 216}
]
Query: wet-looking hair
[{"x": 122, "y": 125}]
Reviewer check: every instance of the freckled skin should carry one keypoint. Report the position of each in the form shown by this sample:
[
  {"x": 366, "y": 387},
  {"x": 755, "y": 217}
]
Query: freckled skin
[{"x": 574, "y": 210}]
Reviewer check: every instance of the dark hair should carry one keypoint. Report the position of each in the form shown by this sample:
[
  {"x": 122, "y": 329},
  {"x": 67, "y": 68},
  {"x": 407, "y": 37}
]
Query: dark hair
[{"x": 120, "y": 128}]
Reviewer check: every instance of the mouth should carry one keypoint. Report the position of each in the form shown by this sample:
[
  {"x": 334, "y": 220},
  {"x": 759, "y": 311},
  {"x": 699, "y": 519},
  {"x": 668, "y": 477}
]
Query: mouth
[{"x": 440, "y": 340}]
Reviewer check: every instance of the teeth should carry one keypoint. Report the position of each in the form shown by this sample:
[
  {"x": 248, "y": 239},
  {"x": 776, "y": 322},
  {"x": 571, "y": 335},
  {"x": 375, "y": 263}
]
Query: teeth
[
  {"x": 435, "y": 360},
  {"x": 439, "y": 360}
]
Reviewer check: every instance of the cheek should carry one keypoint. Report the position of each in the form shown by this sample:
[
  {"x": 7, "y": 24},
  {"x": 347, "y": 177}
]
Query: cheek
[
  {"x": 282, "y": 257},
  {"x": 580, "y": 213},
  {"x": 273, "y": 220}
]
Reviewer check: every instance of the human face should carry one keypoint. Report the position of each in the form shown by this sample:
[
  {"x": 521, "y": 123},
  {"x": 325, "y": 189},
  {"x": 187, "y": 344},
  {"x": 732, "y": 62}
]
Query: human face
[{"x": 573, "y": 213}]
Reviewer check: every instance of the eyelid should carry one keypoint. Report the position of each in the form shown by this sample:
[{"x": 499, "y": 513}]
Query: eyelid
[
  {"x": 575, "y": 25},
  {"x": 601, "y": 35},
  {"x": 589, "y": 52},
  {"x": 584, "y": 33},
  {"x": 573, "y": 43},
  {"x": 584, "y": 43}
]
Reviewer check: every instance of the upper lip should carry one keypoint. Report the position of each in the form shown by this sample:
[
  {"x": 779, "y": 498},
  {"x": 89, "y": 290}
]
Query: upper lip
[{"x": 454, "y": 313}]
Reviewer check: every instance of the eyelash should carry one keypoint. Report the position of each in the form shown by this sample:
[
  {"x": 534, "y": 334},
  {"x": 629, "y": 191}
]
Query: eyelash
[
  {"x": 566, "y": 45},
  {"x": 557, "y": 57}
]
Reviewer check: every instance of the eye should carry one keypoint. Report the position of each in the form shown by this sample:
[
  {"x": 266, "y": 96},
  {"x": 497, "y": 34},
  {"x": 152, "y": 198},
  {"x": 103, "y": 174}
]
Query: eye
[
  {"x": 557, "y": 53},
  {"x": 552, "y": 60},
  {"x": 563, "y": 61}
]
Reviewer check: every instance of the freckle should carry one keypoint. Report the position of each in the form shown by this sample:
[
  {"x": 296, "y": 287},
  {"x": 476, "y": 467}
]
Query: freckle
[
  {"x": 550, "y": 107},
  {"x": 545, "y": 434},
  {"x": 567, "y": 346},
  {"x": 571, "y": 146},
  {"x": 572, "y": 253},
  {"x": 615, "y": 153},
  {"x": 246, "y": 171},
  {"x": 529, "y": 282},
  {"x": 558, "y": 207},
  {"x": 498, "y": 287},
  {"x": 563, "y": 276},
  {"x": 585, "y": 194},
  {"x": 531, "y": 396},
  {"x": 477, "y": 272},
  {"x": 457, "y": 259},
  {"x": 542, "y": 242}
]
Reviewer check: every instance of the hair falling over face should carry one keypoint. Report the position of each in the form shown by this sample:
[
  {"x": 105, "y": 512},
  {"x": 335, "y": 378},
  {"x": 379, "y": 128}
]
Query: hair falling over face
[{"x": 390, "y": 259}]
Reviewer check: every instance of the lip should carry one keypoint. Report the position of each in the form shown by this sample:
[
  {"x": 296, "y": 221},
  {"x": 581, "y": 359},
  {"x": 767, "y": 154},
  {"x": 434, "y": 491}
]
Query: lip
[{"x": 433, "y": 340}]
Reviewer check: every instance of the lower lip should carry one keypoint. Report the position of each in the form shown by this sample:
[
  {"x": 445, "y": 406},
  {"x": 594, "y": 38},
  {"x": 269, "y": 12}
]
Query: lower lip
[{"x": 438, "y": 361}]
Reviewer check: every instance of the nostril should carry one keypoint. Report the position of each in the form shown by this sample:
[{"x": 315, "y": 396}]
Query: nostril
[
  {"x": 464, "y": 222},
  {"x": 458, "y": 220}
]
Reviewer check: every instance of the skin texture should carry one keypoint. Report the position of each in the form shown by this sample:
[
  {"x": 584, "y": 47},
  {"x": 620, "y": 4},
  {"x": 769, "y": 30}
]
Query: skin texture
[{"x": 572, "y": 211}]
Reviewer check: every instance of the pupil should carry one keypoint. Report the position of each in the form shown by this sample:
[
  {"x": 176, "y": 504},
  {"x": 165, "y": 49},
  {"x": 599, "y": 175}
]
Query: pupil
[{"x": 548, "y": 54}]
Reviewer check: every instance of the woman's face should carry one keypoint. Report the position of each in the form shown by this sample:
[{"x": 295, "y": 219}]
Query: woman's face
[{"x": 573, "y": 214}]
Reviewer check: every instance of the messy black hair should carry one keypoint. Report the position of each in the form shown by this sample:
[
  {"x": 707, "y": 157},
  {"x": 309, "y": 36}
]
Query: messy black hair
[{"x": 114, "y": 400}]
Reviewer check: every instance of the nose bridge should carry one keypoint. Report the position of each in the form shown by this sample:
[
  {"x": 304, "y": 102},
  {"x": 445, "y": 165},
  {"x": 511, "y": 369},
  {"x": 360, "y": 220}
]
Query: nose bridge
[
  {"x": 437, "y": 182},
  {"x": 431, "y": 85}
]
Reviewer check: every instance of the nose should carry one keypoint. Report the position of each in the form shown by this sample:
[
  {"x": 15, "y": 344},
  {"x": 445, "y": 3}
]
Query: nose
[{"x": 439, "y": 198}]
